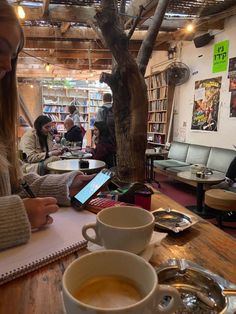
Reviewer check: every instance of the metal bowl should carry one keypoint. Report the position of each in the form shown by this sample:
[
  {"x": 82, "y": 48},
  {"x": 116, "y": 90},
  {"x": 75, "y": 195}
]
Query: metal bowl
[{"x": 201, "y": 291}]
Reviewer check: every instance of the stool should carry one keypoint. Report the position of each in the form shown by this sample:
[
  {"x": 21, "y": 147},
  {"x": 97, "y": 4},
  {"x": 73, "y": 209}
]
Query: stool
[{"x": 221, "y": 200}]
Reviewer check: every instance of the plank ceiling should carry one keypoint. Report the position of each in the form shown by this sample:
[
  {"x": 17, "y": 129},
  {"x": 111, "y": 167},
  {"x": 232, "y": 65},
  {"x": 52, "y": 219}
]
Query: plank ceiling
[{"x": 61, "y": 33}]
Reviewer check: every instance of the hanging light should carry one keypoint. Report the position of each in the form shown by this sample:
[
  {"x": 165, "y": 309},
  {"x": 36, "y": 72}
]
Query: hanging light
[
  {"x": 190, "y": 28},
  {"x": 47, "y": 67},
  {"x": 20, "y": 12}
]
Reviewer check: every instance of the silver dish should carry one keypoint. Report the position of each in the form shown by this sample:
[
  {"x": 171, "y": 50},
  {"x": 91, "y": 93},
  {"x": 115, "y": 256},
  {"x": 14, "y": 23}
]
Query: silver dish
[
  {"x": 202, "y": 292},
  {"x": 173, "y": 220}
]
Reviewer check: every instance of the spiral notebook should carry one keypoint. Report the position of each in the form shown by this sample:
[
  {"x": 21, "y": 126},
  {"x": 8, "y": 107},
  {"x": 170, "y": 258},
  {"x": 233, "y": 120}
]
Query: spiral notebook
[{"x": 61, "y": 238}]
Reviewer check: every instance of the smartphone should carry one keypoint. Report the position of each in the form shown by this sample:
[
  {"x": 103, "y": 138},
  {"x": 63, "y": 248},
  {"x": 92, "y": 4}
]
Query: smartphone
[{"x": 91, "y": 189}]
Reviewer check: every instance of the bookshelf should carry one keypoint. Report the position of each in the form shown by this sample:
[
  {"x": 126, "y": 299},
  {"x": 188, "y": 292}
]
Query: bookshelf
[
  {"x": 160, "y": 97},
  {"x": 57, "y": 99},
  {"x": 95, "y": 101}
]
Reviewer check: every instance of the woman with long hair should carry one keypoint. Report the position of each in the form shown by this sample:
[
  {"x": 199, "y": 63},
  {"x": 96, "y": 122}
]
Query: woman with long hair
[
  {"x": 104, "y": 146},
  {"x": 37, "y": 146},
  {"x": 18, "y": 212}
]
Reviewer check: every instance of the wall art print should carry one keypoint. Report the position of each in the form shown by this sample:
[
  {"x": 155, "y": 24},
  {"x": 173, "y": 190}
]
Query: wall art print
[{"x": 206, "y": 104}]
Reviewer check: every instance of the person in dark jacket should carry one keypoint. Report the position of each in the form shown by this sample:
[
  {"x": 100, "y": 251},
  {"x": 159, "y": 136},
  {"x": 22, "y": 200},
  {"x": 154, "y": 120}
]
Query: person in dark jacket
[
  {"x": 104, "y": 147},
  {"x": 74, "y": 133}
]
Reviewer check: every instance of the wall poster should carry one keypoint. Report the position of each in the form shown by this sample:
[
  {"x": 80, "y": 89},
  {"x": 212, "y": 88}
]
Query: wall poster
[
  {"x": 220, "y": 57},
  {"x": 233, "y": 105},
  {"x": 232, "y": 74},
  {"x": 206, "y": 104}
]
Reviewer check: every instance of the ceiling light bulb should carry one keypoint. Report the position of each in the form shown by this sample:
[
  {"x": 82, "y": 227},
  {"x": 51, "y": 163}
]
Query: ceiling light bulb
[
  {"x": 20, "y": 12},
  {"x": 47, "y": 67},
  {"x": 190, "y": 28},
  {"x": 31, "y": 86}
]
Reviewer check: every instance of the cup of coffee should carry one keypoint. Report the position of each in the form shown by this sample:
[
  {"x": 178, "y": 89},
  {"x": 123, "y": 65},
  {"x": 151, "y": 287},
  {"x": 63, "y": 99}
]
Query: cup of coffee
[
  {"x": 113, "y": 281},
  {"x": 125, "y": 228}
]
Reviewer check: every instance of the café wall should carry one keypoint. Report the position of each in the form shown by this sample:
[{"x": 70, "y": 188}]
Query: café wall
[{"x": 199, "y": 61}]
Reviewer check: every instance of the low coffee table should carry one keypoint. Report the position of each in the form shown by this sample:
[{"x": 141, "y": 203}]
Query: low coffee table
[
  {"x": 214, "y": 178},
  {"x": 67, "y": 165}
]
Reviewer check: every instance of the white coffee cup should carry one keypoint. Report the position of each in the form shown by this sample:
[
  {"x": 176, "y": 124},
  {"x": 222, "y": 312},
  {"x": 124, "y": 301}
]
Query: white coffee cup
[
  {"x": 122, "y": 264},
  {"x": 125, "y": 228}
]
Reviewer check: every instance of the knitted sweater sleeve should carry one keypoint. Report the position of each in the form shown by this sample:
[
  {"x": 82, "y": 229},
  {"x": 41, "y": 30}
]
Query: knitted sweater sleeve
[
  {"x": 54, "y": 185},
  {"x": 14, "y": 224}
]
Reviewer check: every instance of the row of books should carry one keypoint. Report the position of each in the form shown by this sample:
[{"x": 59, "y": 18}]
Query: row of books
[
  {"x": 94, "y": 102},
  {"x": 57, "y": 117},
  {"x": 156, "y": 80},
  {"x": 157, "y": 127},
  {"x": 49, "y": 108},
  {"x": 158, "y": 105},
  {"x": 95, "y": 96},
  {"x": 158, "y": 93},
  {"x": 62, "y": 92},
  {"x": 157, "y": 117}
]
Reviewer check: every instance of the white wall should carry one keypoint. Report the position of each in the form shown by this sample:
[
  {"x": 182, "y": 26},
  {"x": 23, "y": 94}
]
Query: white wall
[{"x": 199, "y": 61}]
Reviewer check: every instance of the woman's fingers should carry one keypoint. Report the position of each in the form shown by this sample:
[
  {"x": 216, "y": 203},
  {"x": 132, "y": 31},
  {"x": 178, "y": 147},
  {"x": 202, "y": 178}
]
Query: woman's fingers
[
  {"x": 39, "y": 210},
  {"x": 49, "y": 220}
]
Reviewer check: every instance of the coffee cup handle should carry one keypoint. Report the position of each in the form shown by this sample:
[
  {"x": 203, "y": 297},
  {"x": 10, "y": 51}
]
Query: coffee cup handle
[
  {"x": 87, "y": 237},
  {"x": 175, "y": 302}
]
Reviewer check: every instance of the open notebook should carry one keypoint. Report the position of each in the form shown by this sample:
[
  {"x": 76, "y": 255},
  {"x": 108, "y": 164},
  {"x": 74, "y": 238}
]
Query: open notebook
[{"x": 64, "y": 236}]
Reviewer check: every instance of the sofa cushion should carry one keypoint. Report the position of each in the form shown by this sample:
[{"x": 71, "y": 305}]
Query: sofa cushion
[
  {"x": 178, "y": 151},
  {"x": 175, "y": 170},
  {"x": 197, "y": 154},
  {"x": 220, "y": 158},
  {"x": 163, "y": 164}
]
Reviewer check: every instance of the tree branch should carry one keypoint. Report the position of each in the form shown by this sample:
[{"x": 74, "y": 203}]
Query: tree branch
[
  {"x": 136, "y": 21},
  {"x": 108, "y": 21},
  {"x": 146, "y": 48}
]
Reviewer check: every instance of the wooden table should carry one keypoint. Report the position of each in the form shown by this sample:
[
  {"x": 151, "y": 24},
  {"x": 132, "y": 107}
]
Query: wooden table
[
  {"x": 62, "y": 166},
  {"x": 213, "y": 178},
  {"x": 40, "y": 291}
]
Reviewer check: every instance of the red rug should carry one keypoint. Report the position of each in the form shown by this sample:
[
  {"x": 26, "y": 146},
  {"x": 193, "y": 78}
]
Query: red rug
[{"x": 185, "y": 195}]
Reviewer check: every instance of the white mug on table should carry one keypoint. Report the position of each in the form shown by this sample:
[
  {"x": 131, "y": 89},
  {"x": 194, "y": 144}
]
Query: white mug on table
[
  {"x": 113, "y": 281},
  {"x": 126, "y": 228}
]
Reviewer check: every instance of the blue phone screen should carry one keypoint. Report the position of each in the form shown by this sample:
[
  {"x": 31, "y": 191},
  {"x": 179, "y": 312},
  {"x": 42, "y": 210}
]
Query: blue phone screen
[{"x": 92, "y": 187}]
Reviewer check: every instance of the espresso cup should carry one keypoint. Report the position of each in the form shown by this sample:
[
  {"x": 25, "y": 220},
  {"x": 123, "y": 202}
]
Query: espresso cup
[
  {"x": 125, "y": 228},
  {"x": 113, "y": 281}
]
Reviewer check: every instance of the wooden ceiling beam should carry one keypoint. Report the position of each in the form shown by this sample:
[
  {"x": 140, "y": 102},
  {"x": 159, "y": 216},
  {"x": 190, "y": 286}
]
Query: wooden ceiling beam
[
  {"x": 82, "y": 45},
  {"x": 36, "y": 64},
  {"x": 61, "y": 13},
  {"x": 81, "y": 33},
  {"x": 65, "y": 54},
  {"x": 58, "y": 72}
]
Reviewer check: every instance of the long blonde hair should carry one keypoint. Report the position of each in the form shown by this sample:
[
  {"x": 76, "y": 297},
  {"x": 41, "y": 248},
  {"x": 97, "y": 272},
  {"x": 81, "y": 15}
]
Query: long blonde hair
[{"x": 9, "y": 105}]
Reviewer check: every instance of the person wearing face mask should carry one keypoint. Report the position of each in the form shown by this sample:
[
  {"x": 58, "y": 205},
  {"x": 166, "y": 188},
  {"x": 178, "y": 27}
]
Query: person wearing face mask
[
  {"x": 18, "y": 212},
  {"x": 37, "y": 146}
]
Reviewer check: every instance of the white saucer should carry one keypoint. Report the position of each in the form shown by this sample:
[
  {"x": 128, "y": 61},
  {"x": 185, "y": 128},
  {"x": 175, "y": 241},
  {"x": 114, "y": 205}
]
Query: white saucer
[{"x": 147, "y": 253}]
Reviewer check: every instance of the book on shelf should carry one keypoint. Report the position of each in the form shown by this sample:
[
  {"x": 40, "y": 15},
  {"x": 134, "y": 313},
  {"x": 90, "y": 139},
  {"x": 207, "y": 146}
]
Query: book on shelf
[{"x": 46, "y": 245}]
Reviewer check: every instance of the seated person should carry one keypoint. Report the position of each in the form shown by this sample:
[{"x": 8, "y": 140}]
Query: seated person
[
  {"x": 18, "y": 212},
  {"x": 105, "y": 149},
  {"x": 38, "y": 147},
  {"x": 74, "y": 133},
  {"x": 230, "y": 178}
]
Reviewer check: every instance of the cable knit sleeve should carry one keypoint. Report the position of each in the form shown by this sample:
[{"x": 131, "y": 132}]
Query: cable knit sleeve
[
  {"x": 55, "y": 185},
  {"x": 14, "y": 224}
]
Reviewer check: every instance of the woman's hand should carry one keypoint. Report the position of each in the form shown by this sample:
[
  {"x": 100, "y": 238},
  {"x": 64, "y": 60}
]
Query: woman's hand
[
  {"x": 38, "y": 210},
  {"x": 79, "y": 182}
]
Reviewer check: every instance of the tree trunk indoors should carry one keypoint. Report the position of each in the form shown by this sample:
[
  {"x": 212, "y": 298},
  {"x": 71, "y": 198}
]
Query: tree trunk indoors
[{"x": 130, "y": 102}]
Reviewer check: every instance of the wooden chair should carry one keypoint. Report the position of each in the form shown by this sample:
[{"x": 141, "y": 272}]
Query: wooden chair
[{"x": 223, "y": 201}]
